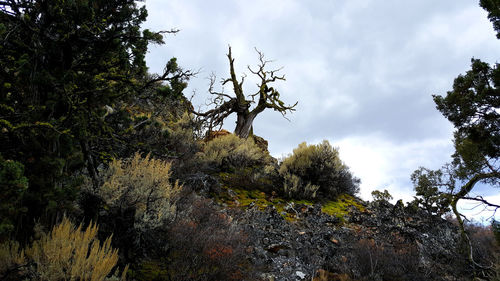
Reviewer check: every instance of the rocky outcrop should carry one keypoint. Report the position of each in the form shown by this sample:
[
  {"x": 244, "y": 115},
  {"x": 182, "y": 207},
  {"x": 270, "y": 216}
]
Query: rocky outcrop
[{"x": 383, "y": 242}]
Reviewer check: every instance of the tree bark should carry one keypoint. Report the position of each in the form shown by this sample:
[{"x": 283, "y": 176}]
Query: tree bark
[
  {"x": 265, "y": 97},
  {"x": 244, "y": 125},
  {"x": 91, "y": 168},
  {"x": 464, "y": 190}
]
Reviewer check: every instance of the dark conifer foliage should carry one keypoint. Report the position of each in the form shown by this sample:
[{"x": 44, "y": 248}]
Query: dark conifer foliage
[
  {"x": 473, "y": 107},
  {"x": 63, "y": 66}
]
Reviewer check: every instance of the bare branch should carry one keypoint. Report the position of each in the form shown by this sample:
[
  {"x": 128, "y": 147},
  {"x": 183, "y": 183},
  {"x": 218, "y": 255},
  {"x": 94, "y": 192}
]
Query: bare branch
[
  {"x": 462, "y": 194},
  {"x": 266, "y": 95},
  {"x": 482, "y": 200}
]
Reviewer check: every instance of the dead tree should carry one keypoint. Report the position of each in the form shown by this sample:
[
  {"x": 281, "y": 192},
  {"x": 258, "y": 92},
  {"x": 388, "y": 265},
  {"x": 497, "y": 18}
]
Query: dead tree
[{"x": 265, "y": 97}]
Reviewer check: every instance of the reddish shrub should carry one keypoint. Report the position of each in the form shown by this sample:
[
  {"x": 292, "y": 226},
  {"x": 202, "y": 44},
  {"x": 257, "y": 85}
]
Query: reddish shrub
[
  {"x": 397, "y": 260},
  {"x": 205, "y": 245}
]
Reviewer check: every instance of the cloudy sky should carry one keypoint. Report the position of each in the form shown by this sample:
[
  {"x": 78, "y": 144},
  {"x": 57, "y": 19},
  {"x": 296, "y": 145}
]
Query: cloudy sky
[{"x": 363, "y": 72}]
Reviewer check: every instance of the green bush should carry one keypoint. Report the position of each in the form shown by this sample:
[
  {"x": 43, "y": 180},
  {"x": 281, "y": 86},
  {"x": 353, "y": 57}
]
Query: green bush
[
  {"x": 316, "y": 171},
  {"x": 231, "y": 152},
  {"x": 13, "y": 185}
]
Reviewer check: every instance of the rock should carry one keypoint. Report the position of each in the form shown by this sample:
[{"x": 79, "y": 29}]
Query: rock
[
  {"x": 202, "y": 183},
  {"x": 216, "y": 134},
  {"x": 275, "y": 248},
  {"x": 316, "y": 240},
  {"x": 300, "y": 274}
]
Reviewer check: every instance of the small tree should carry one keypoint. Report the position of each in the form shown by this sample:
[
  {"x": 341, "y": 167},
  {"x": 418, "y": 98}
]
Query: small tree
[
  {"x": 428, "y": 185},
  {"x": 63, "y": 64},
  {"x": 266, "y": 95},
  {"x": 381, "y": 196},
  {"x": 473, "y": 106}
]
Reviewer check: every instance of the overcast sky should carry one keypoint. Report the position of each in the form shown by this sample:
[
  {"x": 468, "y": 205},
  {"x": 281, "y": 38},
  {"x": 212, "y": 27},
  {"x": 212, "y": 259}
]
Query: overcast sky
[{"x": 363, "y": 72}]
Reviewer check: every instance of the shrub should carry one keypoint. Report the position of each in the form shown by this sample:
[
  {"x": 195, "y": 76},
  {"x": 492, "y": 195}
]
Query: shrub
[
  {"x": 397, "y": 260},
  {"x": 203, "y": 245},
  {"x": 66, "y": 253},
  {"x": 495, "y": 228},
  {"x": 485, "y": 249},
  {"x": 141, "y": 185},
  {"x": 11, "y": 258},
  {"x": 232, "y": 152},
  {"x": 316, "y": 170},
  {"x": 13, "y": 185},
  {"x": 181, "y": 144},
  {"x": 294, "y": 187}
]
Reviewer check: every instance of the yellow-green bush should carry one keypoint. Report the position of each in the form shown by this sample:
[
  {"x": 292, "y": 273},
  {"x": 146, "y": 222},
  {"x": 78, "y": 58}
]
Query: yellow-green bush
[
  {"x": 181, "y": 138},
  {"x": 143, "y": 185},
  {"x": 314, "y": 171},
  {"x": 294, "y": 187},
  {"x": 11, "y": 256},
  {"x": 65, "y": 253},
  {"x": 231, "y": 151}
]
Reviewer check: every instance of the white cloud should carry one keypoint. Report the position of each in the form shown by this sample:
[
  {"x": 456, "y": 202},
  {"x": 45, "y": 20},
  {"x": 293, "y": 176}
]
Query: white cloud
[
  {"x": 480, "y": 212},
  {"x": 384, "y": 164},
  {"x": 362, "y": 71}
]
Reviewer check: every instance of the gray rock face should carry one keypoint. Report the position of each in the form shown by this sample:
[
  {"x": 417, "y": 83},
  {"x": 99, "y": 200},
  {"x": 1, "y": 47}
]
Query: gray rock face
[{"x": 385, "y": 242}]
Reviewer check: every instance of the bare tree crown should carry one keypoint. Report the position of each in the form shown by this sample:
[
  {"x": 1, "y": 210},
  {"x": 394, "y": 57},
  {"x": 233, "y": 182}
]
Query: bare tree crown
[{"x": 265, "y": 97}]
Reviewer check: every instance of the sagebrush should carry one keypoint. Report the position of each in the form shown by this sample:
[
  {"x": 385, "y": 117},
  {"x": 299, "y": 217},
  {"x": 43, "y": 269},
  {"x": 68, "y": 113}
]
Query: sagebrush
[
  {"x": 315, "y": 171},
  {"x": 230, "y": 152},
  {"x": 65, "y": 253},
  {"x": 140, "y": 184}
]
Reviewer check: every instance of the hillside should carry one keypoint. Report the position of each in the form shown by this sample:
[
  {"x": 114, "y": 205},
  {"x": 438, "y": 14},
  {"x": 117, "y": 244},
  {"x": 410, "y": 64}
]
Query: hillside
[{"x": 109, "y": 172}]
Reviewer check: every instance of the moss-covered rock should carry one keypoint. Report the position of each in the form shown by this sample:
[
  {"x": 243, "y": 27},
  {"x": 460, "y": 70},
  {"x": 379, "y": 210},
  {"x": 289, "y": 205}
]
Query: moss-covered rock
[{"x": 342, "y": 206}]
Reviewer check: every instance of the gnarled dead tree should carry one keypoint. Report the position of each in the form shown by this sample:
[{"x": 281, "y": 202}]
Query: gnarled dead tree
[{"x": 265, "y": 97}]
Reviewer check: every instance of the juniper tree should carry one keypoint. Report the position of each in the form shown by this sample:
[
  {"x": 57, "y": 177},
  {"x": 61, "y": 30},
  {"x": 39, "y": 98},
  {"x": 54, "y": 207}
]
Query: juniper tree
[
  {"x": 266, "y": 97},
  {"x": 473, "y": 107},
  {"x": 62, "y": 63}
]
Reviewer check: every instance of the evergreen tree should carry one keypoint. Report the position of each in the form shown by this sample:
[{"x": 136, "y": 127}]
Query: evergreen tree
[
  {"x": 473, "y": 106},
  {"x": 63, "y": 66}
]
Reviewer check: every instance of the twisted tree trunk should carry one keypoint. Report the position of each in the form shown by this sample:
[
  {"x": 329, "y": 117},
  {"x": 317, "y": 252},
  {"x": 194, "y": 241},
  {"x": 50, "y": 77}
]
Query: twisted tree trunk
[{"x": 265, "y": 97}]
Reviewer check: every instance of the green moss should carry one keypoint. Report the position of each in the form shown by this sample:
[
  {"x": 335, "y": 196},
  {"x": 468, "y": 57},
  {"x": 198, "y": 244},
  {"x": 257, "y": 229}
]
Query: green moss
[
  {"x": 303, "y": 202},
  {"x": 340, "y": 207},
  {"x": 247, "y": 197},
  {"x": 242, "y": 198},
  {"x": 289, "y": 217},
  {"x": 150, "y": 270}
]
